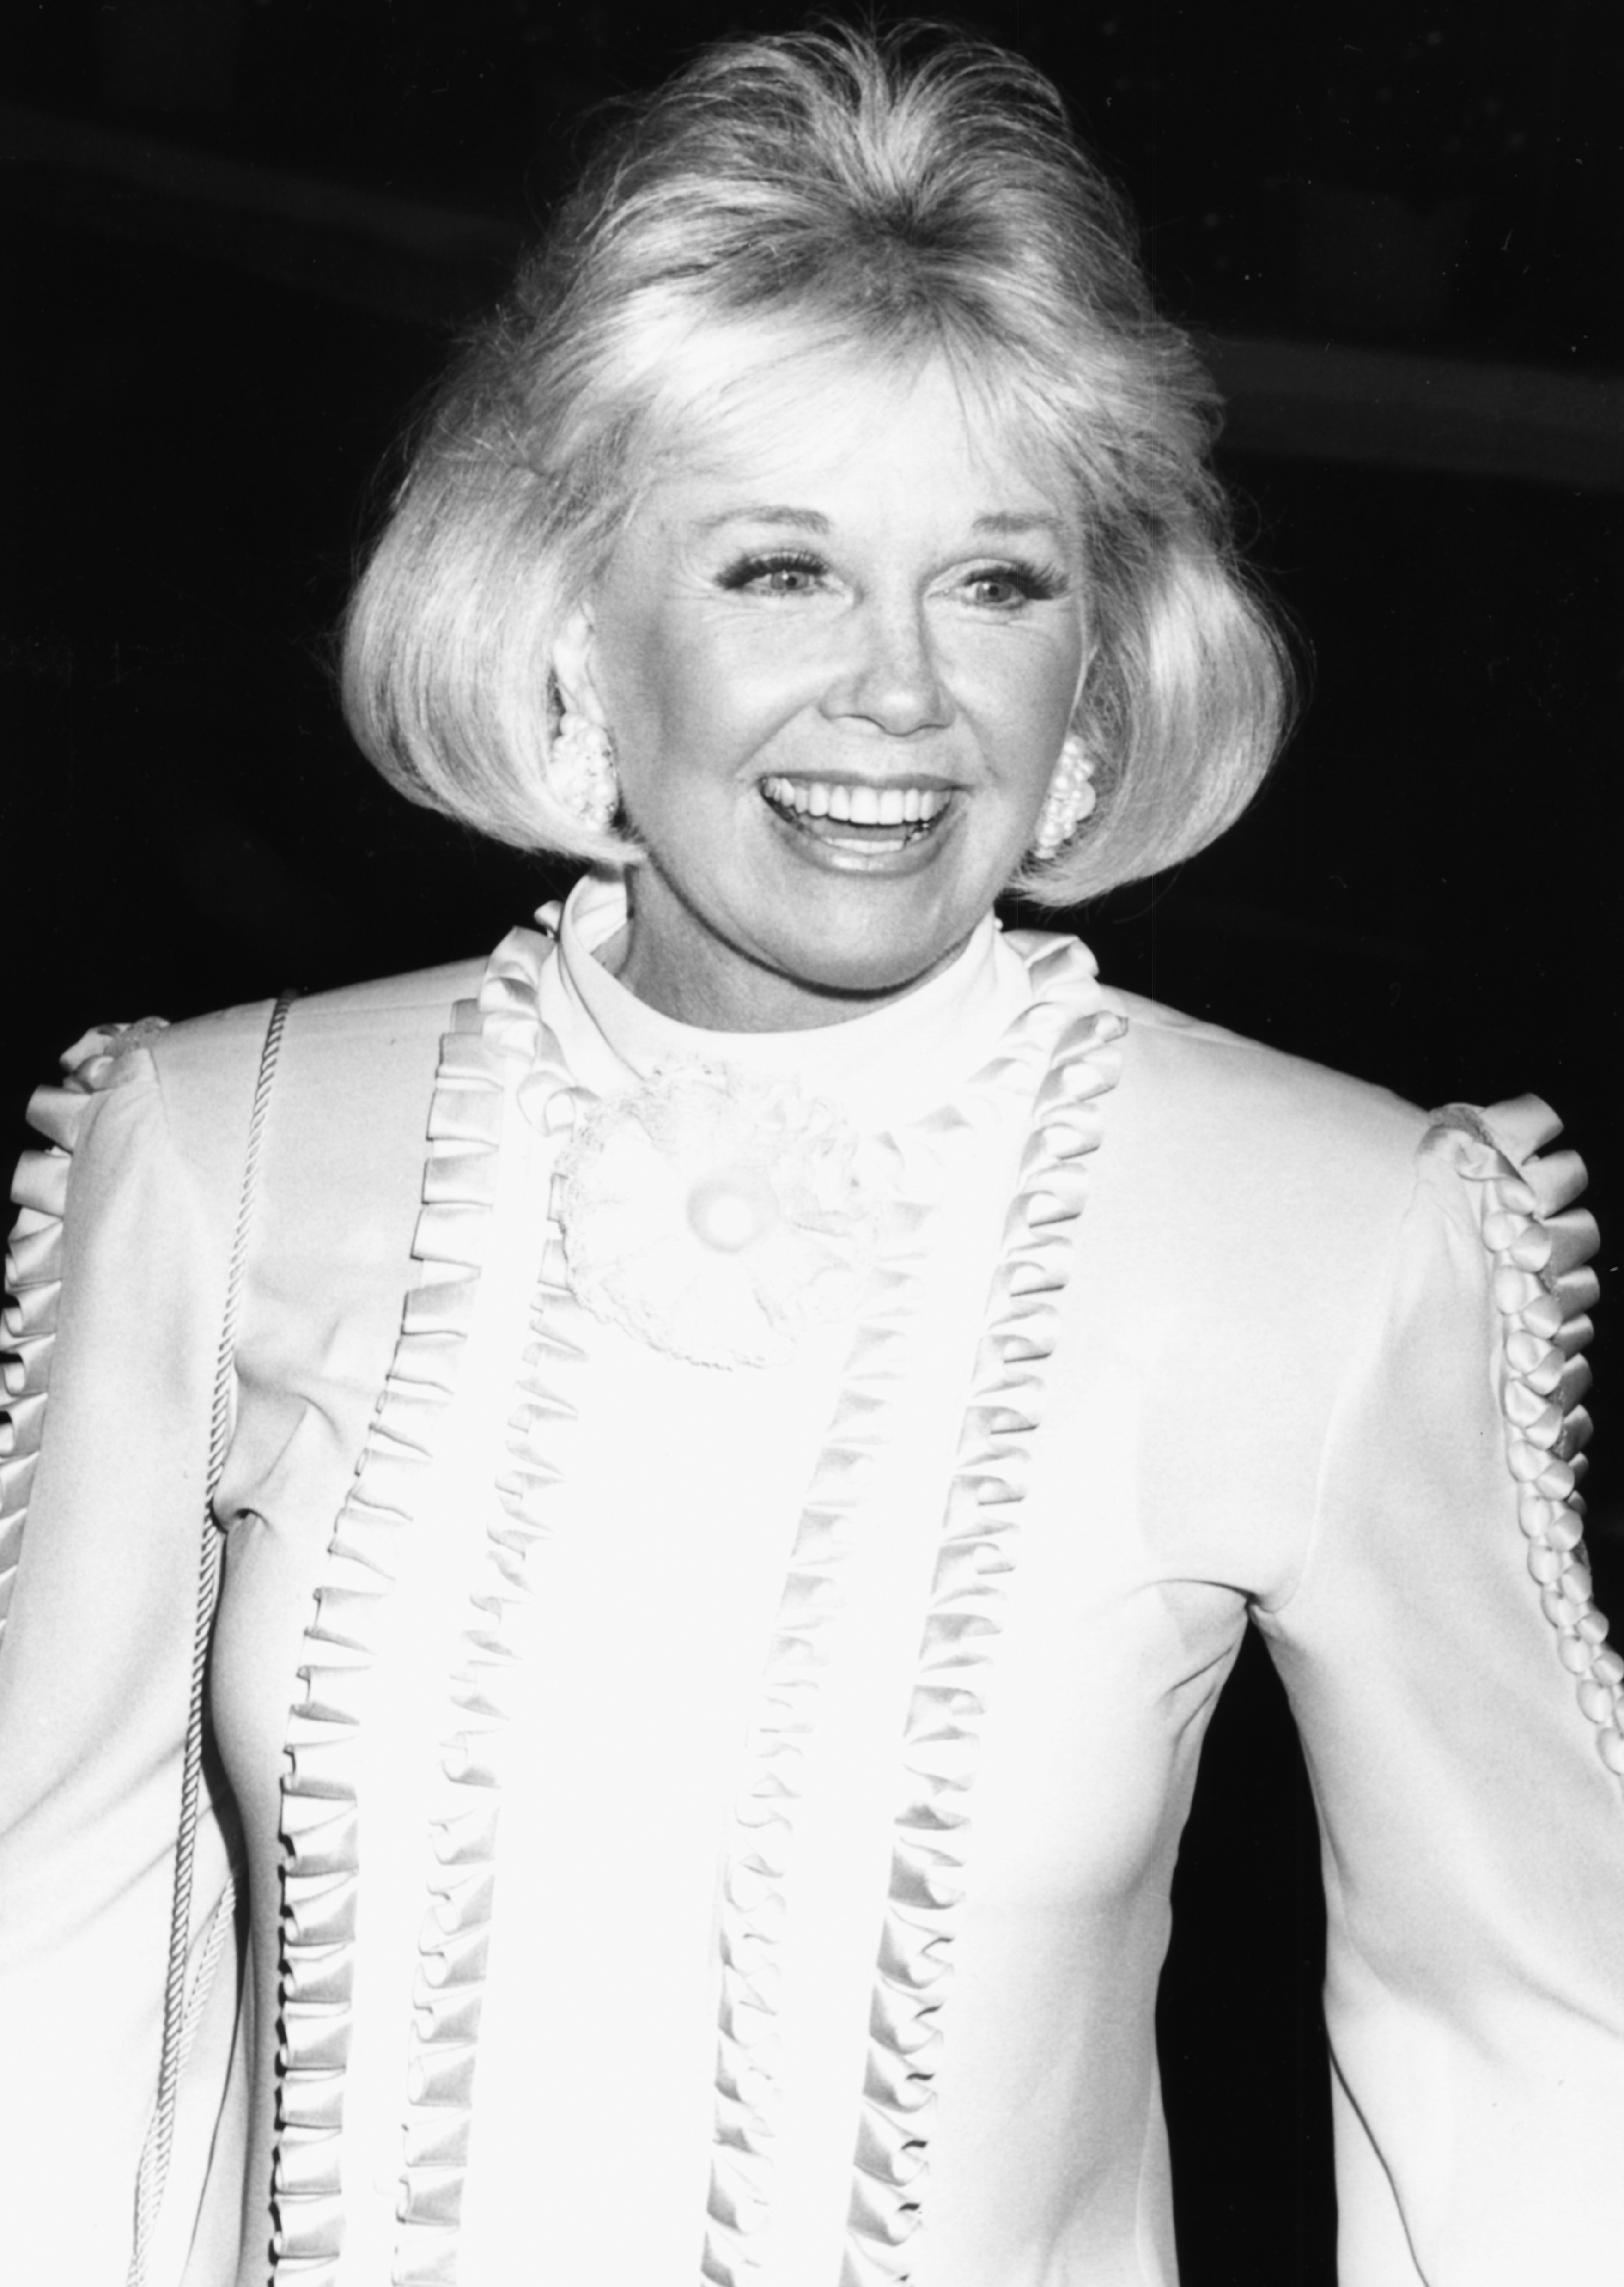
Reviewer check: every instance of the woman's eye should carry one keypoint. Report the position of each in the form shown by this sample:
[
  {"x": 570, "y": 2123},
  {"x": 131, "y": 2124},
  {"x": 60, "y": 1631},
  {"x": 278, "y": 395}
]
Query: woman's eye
[
  {"x": 787, "y": 574},
  {"x": 1004, "y": 586}
]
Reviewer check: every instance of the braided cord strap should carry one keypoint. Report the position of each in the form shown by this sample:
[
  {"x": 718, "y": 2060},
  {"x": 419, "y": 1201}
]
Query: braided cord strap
[{"x": 180, "y": 2017}]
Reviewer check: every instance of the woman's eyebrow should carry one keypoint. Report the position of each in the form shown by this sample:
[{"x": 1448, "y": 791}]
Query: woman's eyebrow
[
  {"x": 996, "y": 524},
  {"x": 1010, "y": 523},
  {"x": 804, "y": 519}
]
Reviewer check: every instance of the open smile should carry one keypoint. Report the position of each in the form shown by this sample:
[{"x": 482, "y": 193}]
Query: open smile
[{"x": 859, "y": 819}]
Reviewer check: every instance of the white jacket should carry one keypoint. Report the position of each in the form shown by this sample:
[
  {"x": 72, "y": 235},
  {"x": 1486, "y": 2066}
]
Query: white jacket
[{"x": 718, "y": 1821}]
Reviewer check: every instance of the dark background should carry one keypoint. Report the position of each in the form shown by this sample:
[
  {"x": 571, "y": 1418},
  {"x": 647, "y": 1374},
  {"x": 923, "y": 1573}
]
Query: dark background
[{"x": 237, "y": 236}]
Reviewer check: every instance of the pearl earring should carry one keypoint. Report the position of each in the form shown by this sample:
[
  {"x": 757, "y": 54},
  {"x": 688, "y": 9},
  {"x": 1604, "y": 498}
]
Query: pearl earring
[
  {"x": 581, "y": 772},
  {"x": 1070, "y": 798}
]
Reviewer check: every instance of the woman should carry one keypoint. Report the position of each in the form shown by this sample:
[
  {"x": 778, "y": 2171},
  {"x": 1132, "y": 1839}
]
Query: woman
[{"x": 706, "y": 1687}]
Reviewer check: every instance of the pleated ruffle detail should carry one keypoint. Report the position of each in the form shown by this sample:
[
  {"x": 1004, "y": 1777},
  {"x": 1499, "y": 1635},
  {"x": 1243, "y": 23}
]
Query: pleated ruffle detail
[
  {"x": 1540, "y": 1246},
  {"x": 454, "y": 1942},
  {"x": 756, "y": 1884},
  {"x": 1057, "y": 1058},
  {"x": 33, "y": 1268},
  {"x": 1072, "y": 1048},
  {"x": 492, "y": 1048}
]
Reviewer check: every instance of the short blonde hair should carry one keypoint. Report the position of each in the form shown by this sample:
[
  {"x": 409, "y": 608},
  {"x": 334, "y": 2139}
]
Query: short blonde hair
[{"x": 890, "y": 200}]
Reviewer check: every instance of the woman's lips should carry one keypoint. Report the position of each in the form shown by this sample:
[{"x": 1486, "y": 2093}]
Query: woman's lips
[{"x": 861, "y": 816}]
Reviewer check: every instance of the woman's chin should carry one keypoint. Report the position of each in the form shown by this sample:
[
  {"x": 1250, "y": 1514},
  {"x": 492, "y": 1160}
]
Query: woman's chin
[
  {"x": 787, "y": 979},
  {"x": 812, "y": 921},
  {"x": 872, "y": 937},
  {"x": 830, "y": 977}
]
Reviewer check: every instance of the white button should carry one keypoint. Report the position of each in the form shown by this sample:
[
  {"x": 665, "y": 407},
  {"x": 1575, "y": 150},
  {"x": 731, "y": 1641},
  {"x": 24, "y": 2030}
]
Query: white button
[{"x": 730, "y": 1212}]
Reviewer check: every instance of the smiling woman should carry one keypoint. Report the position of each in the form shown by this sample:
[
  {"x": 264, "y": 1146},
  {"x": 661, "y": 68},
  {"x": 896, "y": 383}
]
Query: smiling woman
[
  {"x": 775, "y": 263},
  {"x": 752, "y": 1423},
  {"x": 836, "y": 714}
]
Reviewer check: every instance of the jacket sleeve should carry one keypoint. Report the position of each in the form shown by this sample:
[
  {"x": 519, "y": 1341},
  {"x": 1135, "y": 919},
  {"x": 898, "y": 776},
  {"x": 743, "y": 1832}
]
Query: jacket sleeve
[
  {"x": 117, "y": 1269},
  {"x": 1460, "y": 1716}
]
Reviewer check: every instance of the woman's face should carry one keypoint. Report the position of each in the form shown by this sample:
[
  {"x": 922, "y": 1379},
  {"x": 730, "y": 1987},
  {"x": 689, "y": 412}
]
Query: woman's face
[{"x": 838, "y": 663}]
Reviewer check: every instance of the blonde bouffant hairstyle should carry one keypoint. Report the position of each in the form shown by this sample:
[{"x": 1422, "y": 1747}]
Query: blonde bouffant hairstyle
[{"x": 879, "y": 201}]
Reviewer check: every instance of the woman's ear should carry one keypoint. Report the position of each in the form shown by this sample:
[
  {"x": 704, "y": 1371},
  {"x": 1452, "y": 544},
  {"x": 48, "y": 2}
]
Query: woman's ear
[{"x": 572, "y": 667}]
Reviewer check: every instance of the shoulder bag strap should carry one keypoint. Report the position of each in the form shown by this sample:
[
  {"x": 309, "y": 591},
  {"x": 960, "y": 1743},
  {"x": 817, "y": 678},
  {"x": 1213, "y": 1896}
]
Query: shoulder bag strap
[{"x": 181, "y": 2014}]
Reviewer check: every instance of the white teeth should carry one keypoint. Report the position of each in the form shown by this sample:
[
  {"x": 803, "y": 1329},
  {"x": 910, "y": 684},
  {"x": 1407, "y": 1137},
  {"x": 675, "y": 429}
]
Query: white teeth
[{"x": 858, "y": 805}]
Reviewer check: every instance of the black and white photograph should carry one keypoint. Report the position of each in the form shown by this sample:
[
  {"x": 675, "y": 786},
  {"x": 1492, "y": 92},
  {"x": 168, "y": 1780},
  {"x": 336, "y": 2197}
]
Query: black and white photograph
[{"x": 813, "y": 891}]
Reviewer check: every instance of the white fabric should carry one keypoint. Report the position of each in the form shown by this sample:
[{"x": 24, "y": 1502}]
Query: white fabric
[{"x": 1277, "y": 1396}]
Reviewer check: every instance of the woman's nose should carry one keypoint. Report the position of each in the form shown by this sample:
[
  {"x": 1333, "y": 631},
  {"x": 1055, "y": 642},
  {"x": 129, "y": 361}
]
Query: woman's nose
[{"x": 890, "y": 675}]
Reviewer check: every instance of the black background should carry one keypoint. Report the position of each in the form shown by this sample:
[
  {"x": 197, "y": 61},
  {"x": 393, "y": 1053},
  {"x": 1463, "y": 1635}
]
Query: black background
[{"x": 1427, "y": 893}]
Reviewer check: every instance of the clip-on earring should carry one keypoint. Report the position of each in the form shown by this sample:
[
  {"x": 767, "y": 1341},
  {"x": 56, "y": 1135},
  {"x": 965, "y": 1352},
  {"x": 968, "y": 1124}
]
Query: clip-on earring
[
  {"x": 581, "y": 772},
  {"x": 1070, "y": 798}
]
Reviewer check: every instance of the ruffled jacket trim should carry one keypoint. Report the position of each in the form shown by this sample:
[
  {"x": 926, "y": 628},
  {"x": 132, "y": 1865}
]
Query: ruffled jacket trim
[
  {"x": 1060, "y": 1057},
  {"x": 1539, "y": 1247},
  {"x": 33, "y": 1268},
  {"x": 493, "y": 1047}
]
